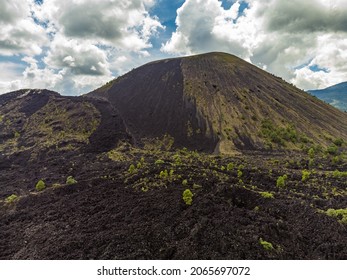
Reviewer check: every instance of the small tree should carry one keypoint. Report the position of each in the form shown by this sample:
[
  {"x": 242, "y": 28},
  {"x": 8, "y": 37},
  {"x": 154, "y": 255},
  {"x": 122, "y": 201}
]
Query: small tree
[
  {"x": 311, "y": 153},
  {"x": 40, "y": 185},
  {"x": 266, "y": 245},
  {"x": 281, "y": 181},
  {"x": 70, "y": 180},
  {"x": 132, "y": 169},
  {"x": 230, "y": 166},
  {"x": 188, "y": 197},
  {"x": 305, "y": 175},
  {"x": 164, "y": 174}
]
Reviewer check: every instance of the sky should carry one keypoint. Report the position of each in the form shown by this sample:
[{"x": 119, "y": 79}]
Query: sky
[{"x": 74, "y": 46}]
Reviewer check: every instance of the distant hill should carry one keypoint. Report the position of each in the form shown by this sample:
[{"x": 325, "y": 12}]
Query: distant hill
[
  {"x": 335, "y": 95},
  {"x": 219, "y": 102}
]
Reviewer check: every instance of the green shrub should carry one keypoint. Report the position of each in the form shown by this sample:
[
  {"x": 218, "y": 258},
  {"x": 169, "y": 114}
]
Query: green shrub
[
  {"x": 132, "y": 169},
  {"x": 281, "y": 181},
  {"x": 311, "y": 153},
  {"x": 239, "y": 173},
  {"x": 187, "y": 197},
  {"x": 177, "y": 159},
  {"x": 266, "y": 195},
  {"x": 70, "y": 180},
  {"x": 332, "y": 150},
  {"x": 338, "y": 142},
  {"x": 40, "y": 185},
  {"x": 164, "y": 174},
  {"x": 336, "y": 160},
  {"x": 230, "y": 166},
  {"x": 196, "y": 186},
  {"x": 305, "y": 175},
  {"x": 266, "y": 245},
  {"x": 11, "y": 198},
  {"x": 339, "y": 174},
  {"x": 185, "y": 182},
  {"x": 340, "y": 214},
  {"x": 277, "y": 134},
  {"x": 159, "y": 161}
]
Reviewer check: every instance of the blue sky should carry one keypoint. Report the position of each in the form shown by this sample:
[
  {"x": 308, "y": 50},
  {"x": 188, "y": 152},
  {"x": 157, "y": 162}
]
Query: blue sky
[{"x": 75, "y": 46}]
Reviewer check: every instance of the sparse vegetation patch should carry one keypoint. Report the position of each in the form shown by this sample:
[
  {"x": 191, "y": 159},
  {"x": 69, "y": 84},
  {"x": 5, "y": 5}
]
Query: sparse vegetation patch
[
  {"x": 12, "y": 198},
  {"x": 40, "y": 185},
  {"x": 71, "y": 180},
  {"x": 340, "y": 214},
  {"x": 266, "y": 245}
]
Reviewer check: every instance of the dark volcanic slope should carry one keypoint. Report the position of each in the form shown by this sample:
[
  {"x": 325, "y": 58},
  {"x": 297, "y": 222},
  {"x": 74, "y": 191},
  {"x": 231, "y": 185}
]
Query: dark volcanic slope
[
  {"x": 42, "y": 120},
  {"x": 219, "y": 102},
  {"x": 41, "y": 130},
  {"x": 152, "y": 101},
  {"x": 114, "y": 214},
  {"x": 335, "y": 95}
]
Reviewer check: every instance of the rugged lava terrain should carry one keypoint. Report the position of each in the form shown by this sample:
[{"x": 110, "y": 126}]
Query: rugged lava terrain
[{"x": 205, "y": 157}]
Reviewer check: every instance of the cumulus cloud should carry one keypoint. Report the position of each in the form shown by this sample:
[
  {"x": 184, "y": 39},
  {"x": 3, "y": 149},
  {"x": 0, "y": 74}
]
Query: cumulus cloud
[
  {"x": 61, "y": 79},
  {"x": 328, "y": 66},
  {"x": 73, "y": 46},
  {"x": 122, "y": 23},
  {"x": 279, "y": 36},
  {"x": 10, "y": 76},
  {"x": 298, "y": 16},
  {"x": 12, "y": 10},
  {"x": 207, "y": 26},
  {"x": 80, "y": 59},
  {"x": 19, "y": 34}
]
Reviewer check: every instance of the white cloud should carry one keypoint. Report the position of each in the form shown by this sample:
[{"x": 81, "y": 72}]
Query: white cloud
[
  {"x": 122, "y": 23},
  {"x": 207, "y": 26},
  {"x": 19, "y": 34},
  {"x": 77, "y": 40},
  {"x": 12, "y": 11},
  {"x": 62, "y": 80},
  {"x": 330, "y": 56},
  {"x": 10, "y": 76},
  {"x": 80, "y": 59},
  {"x": 297, "y": 16},
  {"x": 276, "y": 35}
]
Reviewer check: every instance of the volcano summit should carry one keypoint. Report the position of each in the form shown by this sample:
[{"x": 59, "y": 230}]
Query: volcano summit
[{"x": 218, "y": 102}]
